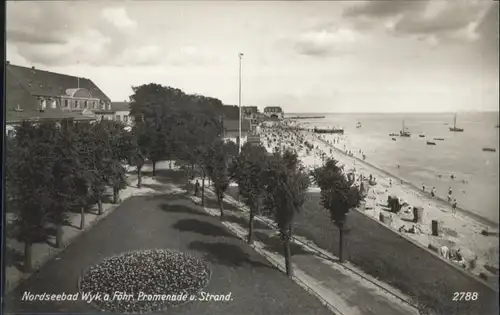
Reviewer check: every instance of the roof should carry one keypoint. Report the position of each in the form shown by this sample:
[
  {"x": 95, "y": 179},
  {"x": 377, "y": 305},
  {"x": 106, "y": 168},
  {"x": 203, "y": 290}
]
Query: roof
[
  {"x": 48, "y": 114},
  {"x": 120, "y": 106},
  {"x": 46, "y": 83},
  {"x": 233, "y": 125},
  {"x": 273, "y": 108}
]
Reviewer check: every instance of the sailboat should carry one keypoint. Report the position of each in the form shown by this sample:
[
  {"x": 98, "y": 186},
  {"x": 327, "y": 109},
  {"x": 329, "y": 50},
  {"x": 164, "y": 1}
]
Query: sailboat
[
  {"x": 404, "y": 132},
  {"x": 454, "y": 128}
]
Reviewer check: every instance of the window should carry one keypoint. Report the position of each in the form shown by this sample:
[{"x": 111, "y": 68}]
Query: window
[
  {"x": 125, "y": 118},
  {"x": 77, "y": 104},
  {"x": 103, "y": 106},
  {"x": 43, "y": 104},
  {"x": 118, "y": 117},
  {"x": 10, "y": 133},
  {"x": 53, "y": 104},
  {"x": 65, "y": 104},
  {"x": 108, "y": 106},
  {"x": 85, "y": 104}
]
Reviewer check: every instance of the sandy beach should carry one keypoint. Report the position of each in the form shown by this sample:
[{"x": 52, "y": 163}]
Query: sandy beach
[{"x": 457, "y": 231}]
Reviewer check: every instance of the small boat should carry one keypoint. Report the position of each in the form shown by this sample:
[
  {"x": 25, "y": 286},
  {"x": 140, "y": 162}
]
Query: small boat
[
  {"x": 404, "y": 132},
  {"x": 393, "y": 139},
  {"x": 421, "y": 136},
  {"x": 490, "y": 149},
  {"x": 439, "y": 139},
  {"x": 393, "y": 134},
  {"x": 358, "y": 125},
  {"x": 455, "y": 128},
  {"x": 431, "y": 143}
]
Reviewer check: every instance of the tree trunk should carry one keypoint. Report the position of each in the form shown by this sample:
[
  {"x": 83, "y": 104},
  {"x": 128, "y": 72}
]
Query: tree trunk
[
  {"x": 221, "y": 206},
  {"x": 288, "y": 253},
  {"x": 203, "y": 191},
  {"x": 116, "y": 195},
  {"x": 27, "y": 266},
  {"x": 59, "y": 235},
  {"x": 82, "y": 218},
  {"x": 139, "y": 176},
  {"x": 341, "y": 242},
  {"x": 154, "y": 168},
  {"x": 99, "y": 203},
  {"x": 250, "y": 227}
]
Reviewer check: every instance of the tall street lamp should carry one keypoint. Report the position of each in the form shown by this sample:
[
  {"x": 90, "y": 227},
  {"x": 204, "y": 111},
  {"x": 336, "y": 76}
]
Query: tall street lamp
[{"x": 240, "y": 56}]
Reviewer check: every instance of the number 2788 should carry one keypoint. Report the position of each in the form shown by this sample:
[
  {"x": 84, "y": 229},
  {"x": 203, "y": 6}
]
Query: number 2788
[{"x": 465, "y": 296}]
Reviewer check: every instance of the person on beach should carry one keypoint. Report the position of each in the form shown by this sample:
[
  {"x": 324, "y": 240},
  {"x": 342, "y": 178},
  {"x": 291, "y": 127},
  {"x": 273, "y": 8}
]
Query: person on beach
[
  {"x": 450, "y": 191},
  {"x": 390, "y": 182},
  {"x": 452, "y": 176},
  {"x": 445, "y": 252},
  {"x": 454, "y": 206},
  {"x": 449, "y": 198},
  {"x": 433, "y": 192},
  {"x": 423, "y": 187}
]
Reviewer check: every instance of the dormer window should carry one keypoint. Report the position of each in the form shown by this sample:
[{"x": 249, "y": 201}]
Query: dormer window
[
  {"x": 109, "y": 105},
  {"x": 53, "y": 103},
  {"x": 65, "y": 103},
  {"x": 77, "y": 104},
  {"x": 86, "y": 104},
  {"x": 103, "y": 105}
]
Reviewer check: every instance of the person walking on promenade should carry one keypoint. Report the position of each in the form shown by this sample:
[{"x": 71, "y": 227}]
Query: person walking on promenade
[
  {"x": 433, "y": 192},
  {"x": 196, "y": 188},
  {"x": 454, "y": 206}
]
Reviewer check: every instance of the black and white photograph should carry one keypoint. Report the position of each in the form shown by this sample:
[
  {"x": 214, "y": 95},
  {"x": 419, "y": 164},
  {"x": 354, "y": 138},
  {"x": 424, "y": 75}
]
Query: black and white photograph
[{"x": 251, "y": 157}]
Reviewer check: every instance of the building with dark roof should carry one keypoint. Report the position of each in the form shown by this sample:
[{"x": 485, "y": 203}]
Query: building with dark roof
[
  {"x": 33, "y": 94},
  {"x": 122, "y": 112},
  {"x": 274, "y": 112}
]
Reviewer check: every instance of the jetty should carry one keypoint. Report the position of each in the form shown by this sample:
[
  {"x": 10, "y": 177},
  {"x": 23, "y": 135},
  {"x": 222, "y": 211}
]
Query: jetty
[
  {"x": 306, "y": 117},
  {"x": 332, "y": 130}
]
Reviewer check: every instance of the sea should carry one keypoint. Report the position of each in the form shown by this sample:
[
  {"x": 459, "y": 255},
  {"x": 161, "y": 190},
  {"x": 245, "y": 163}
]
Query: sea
[{"x": 460, "y": 153}]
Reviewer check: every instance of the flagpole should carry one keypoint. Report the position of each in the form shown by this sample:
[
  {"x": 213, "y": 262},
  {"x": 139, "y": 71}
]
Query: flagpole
[{"x": 240, "y": 55}]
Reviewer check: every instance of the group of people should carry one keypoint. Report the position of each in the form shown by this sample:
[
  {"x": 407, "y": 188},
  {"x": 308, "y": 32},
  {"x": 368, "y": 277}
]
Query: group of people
[
  {"x": 456, "y": 257},
  {"x": 451, "y": 200}
]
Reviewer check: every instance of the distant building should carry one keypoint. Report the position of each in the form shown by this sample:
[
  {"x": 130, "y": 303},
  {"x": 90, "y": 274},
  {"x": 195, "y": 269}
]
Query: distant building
[
  {"x": 122, "y": 112},
  {"x": 250, "y": 111},
  {"x": 274, "y": 112},
  {"x": 38, "y": 95},
  {"x": 231, "y": 129}
]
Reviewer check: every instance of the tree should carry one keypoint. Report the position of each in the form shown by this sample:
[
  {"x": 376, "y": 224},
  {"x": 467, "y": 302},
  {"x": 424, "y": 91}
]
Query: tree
[
  {"x": 250, "y": 171},
  {"x": 338, "y": 195},
  {"x": 286, "y": 188},
  {"x": 217, "y": 170},
  {"x": 152, "y": 106},
  {"x": 29, "y": 170}
]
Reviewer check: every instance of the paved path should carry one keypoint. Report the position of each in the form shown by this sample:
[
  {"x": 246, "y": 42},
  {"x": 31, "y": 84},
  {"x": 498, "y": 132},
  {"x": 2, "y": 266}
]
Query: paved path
[
  {"x": 151, "y": 222},
  {"x": 347, "y": 291}
]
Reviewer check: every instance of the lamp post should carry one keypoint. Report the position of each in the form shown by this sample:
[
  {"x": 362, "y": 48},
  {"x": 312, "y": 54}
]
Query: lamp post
[{"x": 240, "y": 56}]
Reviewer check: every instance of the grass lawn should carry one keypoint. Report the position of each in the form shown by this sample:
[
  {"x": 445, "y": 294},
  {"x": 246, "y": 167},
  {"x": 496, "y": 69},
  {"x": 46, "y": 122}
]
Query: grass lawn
[
  {"x": 393, "y": 260},
  {"x": 151, "y": 222}
]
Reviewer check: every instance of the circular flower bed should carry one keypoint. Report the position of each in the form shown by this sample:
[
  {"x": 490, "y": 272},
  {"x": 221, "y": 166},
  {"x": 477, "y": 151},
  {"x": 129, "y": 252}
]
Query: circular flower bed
[{"x": 148, "y": 280}]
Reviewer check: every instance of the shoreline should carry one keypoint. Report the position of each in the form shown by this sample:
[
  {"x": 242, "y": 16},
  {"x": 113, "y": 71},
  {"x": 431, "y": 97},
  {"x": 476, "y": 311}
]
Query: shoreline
[
  {"x": 461, "y": 230},
  {"x": 409, "y": 184}
]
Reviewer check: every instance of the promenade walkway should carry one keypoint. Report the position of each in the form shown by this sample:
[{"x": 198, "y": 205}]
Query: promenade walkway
[{"x": 343, "y": 288}]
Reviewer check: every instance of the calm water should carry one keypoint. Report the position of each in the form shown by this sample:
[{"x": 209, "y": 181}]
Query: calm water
[{"x": 459, "y": 154}]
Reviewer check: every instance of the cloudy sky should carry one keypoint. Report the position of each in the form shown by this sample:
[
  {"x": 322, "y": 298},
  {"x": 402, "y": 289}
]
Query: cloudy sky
[{"x": 353, "y": 56}]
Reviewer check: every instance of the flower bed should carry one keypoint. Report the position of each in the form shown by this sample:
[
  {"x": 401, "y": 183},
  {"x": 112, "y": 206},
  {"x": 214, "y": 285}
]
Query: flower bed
[{"x": 149, "y": 280}]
